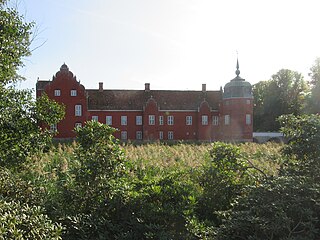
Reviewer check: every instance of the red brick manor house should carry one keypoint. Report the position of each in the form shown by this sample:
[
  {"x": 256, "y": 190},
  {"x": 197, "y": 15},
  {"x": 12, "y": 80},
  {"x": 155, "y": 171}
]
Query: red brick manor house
[{"x": 224, "y": 115}]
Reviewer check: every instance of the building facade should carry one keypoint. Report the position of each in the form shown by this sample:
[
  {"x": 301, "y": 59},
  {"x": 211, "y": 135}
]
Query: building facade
[{"x": 148, "y": 115}]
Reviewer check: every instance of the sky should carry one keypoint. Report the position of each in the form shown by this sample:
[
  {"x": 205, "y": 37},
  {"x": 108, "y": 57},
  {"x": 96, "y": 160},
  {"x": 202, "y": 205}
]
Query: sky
[{"x": 171, "y": 44}]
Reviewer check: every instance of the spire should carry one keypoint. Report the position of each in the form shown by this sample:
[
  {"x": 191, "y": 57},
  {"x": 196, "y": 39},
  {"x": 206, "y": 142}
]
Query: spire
[{"x": 237, "y": 71}]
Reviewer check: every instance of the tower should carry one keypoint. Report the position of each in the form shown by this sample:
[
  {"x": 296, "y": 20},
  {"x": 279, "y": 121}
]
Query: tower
[{"x": 237, "y": 110}]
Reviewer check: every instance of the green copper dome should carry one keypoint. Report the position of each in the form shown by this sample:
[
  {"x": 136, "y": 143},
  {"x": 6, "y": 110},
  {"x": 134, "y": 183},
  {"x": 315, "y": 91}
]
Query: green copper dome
[{"x": 237, "y": 87}]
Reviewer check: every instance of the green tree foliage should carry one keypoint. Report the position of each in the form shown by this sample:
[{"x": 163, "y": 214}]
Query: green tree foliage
[
  {"x": 15, "y": 39},
  {"x": 20, "y": 134},
  {"x": 21, "y": 216},
  {"x": 97, "y": 186},
  {"x": 303, "y": 151},
  {"x": 284, "y": 207},
  {"x": 21, "y": 221},
  {"x": 284, "y": 93},
  {"x": 222, "y": 178},
  {"x": 314, "y": 101}
]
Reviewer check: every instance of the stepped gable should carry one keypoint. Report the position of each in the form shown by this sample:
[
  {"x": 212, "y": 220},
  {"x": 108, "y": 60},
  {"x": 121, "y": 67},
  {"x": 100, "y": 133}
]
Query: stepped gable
[{"x": 136, "y": 99}]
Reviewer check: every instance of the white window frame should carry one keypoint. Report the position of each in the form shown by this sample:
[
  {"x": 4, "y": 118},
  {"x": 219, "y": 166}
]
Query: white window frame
[
  {"x": 204, "y": 119},
  {"x": 248, "y": 119},
  {"x": 53, "y": 128},
  {"x": 152, "y": 119},
  {"x": 188, "y": 120},
  {"x": 160, "y": 135},
  {"x": 124, "y": 120},
  {"x": 78, "y": 124},
  {"x": 139, "y": 135},
  {"x": 215, "y": 120},
  {"x": 109, "y": 120},
  {"x": 170, "y": 135},
  {"x": 138, "y": 120},
  {"x": 57, "y": 92},
  {"x": 227, "y": 119},
  {"x": 170, "y": 120},
  {"x": 78, "y": 110},
  {"x": 73, "y": 93},
  {"x": 124, "y": 135},
  {"x": 160, "y": 120},
  {"x": 95, "y": 118}
]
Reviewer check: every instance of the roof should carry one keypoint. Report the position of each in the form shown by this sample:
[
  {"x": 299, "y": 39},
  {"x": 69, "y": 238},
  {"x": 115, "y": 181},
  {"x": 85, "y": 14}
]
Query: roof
[
  {"x": 136, "y": 99},
  {"x": 41, "y": 84}
]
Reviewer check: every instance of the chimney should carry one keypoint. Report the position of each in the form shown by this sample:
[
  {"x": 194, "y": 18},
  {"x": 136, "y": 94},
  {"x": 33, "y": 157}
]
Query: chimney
[
  {"x": 147, "y": 87},
  {"x": 204, "y": 88},
  {"x": 100, "y": 86}
]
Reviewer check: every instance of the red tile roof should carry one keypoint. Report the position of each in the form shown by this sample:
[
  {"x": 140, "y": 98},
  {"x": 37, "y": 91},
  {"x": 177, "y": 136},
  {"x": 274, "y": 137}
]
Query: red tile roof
[{"x": 136, "y": 99}]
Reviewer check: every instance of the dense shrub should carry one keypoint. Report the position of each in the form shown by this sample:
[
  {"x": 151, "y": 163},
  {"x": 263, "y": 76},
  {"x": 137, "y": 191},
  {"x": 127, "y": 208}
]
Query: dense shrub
[{"x": 22, "y": 221}]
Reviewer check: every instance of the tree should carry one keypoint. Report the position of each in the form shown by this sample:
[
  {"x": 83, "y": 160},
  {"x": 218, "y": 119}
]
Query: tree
[
  {"x": 302, "y": 152},
  {"x": 15, "y": 40},
  {"x": 284, "y": 93},
  {"x": 286, "y": 206},
  {"x": 20, "y": 134},
  {"x": 314, "y": 103}
]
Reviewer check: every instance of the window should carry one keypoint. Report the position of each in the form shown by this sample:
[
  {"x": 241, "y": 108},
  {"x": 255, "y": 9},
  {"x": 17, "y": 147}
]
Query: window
[
  {"x": 170, "y": 120},
  {"x": 57, "y": 92},
  {"x": 161, "y": 135},
  {"x": 204, "y": 120},
  {"x": 138, "y": 120},
  {"x": 215, "y": 120},
  {"x": 188, "y": 120},
  {"x": 123, "y": 120},
  {"x": 78, "y": 110},
  {"x": 124, "y": 135},
  {"x": 95, "y": 118},
  {"x": 151, "y": 119},
  {"x": 78, "y": 124},
  {"x": 109, "y": 120},
  {"x": 53, "y": 128},
  {"x": 170, "y": 135},
  {"x": 139, "y": 135},
  {"x": 73, "y": 93},
  {"x": 227, "y": 120},
  {"x": 160, "y": 120},
  {"x": 248, "y": 101},
  {"x": 248, "y": 119}
]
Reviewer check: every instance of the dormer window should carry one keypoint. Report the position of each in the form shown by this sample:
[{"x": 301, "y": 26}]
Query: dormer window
[
  {"x": 73, "y": 93},
  {"x": 57, "y": 92}
]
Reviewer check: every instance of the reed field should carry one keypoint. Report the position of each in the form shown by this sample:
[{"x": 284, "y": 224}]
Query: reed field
[{"x": 266, "y": 156}]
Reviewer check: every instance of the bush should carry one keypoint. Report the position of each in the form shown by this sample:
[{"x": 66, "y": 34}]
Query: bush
[{"x": 22, "y": 221}]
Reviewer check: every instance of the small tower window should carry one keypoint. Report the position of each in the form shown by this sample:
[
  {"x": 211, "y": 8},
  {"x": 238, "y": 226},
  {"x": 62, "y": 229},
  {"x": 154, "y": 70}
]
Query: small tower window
[
  {"x": 248, "y": 119},
  {"x": 227, "y": 120}
]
